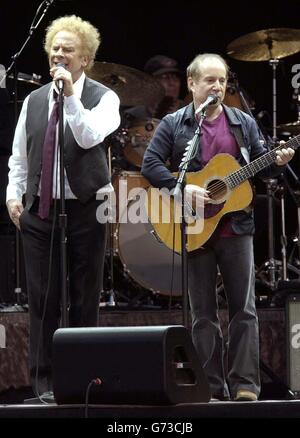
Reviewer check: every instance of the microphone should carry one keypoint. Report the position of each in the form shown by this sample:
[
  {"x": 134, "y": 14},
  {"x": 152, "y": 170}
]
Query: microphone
[
  {"x": 60, "y": 82},
  {"x": 211, "y": 99}
]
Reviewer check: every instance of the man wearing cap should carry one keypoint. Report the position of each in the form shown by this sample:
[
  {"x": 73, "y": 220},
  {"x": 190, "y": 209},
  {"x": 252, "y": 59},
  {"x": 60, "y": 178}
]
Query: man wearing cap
[{"x": 167, "y": 72}]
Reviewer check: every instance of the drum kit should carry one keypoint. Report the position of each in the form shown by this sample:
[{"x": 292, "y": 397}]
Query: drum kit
[{"x": 144, "y": 262}]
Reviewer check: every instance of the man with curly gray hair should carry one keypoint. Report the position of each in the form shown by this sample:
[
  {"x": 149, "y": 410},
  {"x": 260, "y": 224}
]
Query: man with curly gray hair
[{"x": 91, "y": 113}]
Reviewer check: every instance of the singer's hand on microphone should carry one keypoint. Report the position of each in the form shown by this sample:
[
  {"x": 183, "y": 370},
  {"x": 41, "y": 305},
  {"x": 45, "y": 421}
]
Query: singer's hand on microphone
[{"x": 60, "y": 73}]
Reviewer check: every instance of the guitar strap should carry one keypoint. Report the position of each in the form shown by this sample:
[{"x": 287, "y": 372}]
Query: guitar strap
[
  {"x": 244, "y": 151},
  {"x": 240, "y": 141},
  {"x": 239, "y": 137}
]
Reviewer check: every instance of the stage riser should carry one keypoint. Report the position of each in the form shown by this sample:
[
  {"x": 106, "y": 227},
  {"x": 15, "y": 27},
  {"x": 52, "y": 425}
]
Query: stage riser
[{"x": 14, "y": 332}]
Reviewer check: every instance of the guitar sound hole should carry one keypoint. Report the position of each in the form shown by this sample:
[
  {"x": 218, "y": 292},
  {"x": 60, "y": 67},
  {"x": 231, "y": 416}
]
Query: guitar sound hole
[{"x": 217, "y": 189}]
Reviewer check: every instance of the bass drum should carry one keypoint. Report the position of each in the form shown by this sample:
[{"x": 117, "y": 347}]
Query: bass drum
[
  {"x": 137, "y": 139},
  {"x": 147, "y": 260}
]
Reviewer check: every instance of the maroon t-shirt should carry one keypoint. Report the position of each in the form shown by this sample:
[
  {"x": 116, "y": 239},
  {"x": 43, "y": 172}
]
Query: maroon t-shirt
[{"x": 216, "y": 138}]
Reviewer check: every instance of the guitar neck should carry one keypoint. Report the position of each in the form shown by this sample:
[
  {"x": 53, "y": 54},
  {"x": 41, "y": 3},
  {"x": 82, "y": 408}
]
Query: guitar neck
[{"x": 251, "y": 169}]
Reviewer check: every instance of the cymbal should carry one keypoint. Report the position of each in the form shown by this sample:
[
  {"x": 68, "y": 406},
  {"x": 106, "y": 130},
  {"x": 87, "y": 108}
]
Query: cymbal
[
  {"x": 33, "y": 79},
  {"x": 132, "y": 86},
  {"x": 291, "y": 128},
  {"x": 266, "y": 44}
]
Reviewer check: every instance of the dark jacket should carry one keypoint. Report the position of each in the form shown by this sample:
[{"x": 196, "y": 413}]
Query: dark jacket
[{"x": 171, "y": 138}]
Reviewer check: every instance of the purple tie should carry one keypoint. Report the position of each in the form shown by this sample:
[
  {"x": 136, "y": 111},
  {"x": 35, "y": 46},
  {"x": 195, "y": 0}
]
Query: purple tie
[{"x": 47, "y": 165}]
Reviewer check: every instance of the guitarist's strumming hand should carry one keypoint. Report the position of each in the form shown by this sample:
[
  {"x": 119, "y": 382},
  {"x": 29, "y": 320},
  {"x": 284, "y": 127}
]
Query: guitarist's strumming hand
[
  {"x": 284, "y": 155},
  {"x": 197, "y": 196}
]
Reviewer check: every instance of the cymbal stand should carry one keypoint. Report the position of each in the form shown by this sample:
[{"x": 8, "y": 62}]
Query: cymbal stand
[
  {"x": 247, "y": 109},
  {"x": 272, "y": 186},
  {"x": 111, "y": 293},
  {"x": 274, "y": 63},
  {"x": 283, "y": 237}
]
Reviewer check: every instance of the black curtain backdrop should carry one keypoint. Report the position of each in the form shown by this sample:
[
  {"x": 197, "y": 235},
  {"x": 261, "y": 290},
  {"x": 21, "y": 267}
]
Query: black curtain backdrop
[{"x": 133, "y": 31}]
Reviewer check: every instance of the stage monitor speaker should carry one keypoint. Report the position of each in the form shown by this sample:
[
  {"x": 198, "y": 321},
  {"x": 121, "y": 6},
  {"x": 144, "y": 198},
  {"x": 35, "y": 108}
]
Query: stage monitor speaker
[
  {"x": 293, "y": 342},
  {"x": 135, "y": 365}
]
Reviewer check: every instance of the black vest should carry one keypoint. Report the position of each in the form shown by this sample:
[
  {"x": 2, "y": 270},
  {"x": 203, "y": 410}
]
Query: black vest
[{"x": 86, "y": 169}]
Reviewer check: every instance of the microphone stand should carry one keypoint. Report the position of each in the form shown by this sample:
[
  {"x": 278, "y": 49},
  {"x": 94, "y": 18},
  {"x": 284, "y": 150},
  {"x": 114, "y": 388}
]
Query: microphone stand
[
  {"x": 33, "y": 27},
  {"x": 178, "y": 193},
  {"x": 62, "y": 214},
  {"x": 13, "y": 68}
]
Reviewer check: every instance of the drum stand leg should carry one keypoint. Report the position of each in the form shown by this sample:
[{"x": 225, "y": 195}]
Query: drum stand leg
[
  {"x": 111, "y": 293},
  {"x": 286, "y": 265},
  {"x": 271, "y": 266},
  {"x": 277, "y": 270},
  {"x": 295, "y": 267}
]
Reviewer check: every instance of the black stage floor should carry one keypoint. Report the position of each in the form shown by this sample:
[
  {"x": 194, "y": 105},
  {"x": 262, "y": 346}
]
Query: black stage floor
[{"x": 185, "y": 412}]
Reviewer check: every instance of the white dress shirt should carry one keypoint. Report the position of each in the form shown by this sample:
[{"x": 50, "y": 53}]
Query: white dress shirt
[{"x": 89, "y": 128}]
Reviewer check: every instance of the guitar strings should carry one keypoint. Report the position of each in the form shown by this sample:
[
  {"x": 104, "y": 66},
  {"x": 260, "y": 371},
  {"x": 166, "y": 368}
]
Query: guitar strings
[{"x": 216, "y": 187}]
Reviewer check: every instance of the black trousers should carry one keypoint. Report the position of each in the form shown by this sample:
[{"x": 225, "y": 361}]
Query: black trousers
[{"x": 86, "y": 241}]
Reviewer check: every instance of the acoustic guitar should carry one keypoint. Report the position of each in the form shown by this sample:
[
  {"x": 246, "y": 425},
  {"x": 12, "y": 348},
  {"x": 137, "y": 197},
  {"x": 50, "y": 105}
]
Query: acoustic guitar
[{"x": 229, "y": 190}]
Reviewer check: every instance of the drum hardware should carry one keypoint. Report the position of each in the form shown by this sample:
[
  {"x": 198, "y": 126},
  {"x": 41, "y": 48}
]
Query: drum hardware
[
  {"x": 272, "y": 268},
  {"x": 293, "y": 128},
  {"x": 236, "y": 97},
  {"x": 273, "y": 272},
  {"x": 132, "y": 140},
  {"x": 137, "y": 138},
  {"x": 131, "y": 85},
  {"x": 270, "y": 45},
  {"x": 295, "y": 194},
  {"x": 289, "y": 129},
  {"x": 33, "y": 79},
  {"x": 111, "y": 295}
]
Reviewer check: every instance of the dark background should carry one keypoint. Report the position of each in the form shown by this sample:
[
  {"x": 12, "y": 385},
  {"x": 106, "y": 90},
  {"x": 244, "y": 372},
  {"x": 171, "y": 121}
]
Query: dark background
[{"x": 133, "y": 31}]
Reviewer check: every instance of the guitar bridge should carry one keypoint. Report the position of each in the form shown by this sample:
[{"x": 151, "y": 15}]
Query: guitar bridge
[{"x": 155, "y": 235}]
